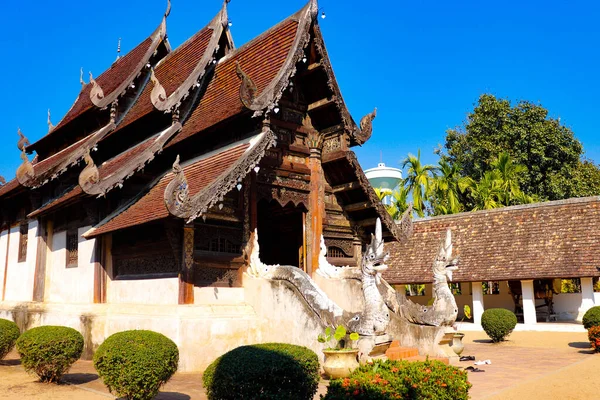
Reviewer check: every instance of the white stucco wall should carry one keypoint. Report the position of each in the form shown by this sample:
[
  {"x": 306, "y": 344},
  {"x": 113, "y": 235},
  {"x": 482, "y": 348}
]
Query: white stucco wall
[
  {"x": 20, "y": 275},
  {"x": 76, "y": 284},
  {"x": 597, "y": 298},
  {"x": 162, "y": 291},
  {"x": 218, "y": 295}
]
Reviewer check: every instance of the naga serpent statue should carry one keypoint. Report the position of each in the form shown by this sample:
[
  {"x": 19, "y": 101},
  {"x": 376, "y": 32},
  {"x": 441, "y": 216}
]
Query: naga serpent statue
[{"x": 443, "y": 311}]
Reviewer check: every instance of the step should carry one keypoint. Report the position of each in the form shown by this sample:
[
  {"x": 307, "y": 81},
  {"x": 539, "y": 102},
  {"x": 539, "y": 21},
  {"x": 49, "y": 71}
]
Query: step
[{"x": 396, "y": 352}]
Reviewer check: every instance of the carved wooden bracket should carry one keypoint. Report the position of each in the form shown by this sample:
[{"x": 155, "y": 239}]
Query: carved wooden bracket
[
  {"x": 25, "y": 172},
  {"x": 158, "y": 96},
  {"x": 96, "y": 93},
  {"x": 23, "y": 141},
  {"x": 176, "y": 195},
  {"x": 366, "y": 126},
  {"x": 247, "y": 88},
  {"x": 89, "y": 176}
]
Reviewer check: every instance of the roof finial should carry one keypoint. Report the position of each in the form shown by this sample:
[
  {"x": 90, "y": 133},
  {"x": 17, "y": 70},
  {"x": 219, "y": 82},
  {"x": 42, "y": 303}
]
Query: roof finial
[
  {"x": 23, "y": 142},
  {"x": 81, "y": 77},
  {"x": 50, "y": 126},
  {"x": 168, "y": 11},
  {"x": 118, "y": 50}
]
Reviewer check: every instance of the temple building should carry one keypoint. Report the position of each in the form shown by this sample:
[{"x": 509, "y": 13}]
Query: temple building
[
  {"x": 512, "y": 257},
  {"x": 135, "y": 210}
]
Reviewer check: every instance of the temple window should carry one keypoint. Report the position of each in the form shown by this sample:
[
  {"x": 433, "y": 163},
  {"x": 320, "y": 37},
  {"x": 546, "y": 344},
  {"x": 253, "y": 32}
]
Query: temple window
[
  {"x": 336, "y": 252},
  {"x": 23, "y": 243},
  {"x": 72, "y": 248},
  {"x": 217, "y": 239}
]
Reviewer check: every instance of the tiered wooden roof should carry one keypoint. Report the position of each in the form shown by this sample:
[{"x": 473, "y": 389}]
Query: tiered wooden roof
[
  {"x": 182, "y": 97},
  {"x": 556, "y": 239}
]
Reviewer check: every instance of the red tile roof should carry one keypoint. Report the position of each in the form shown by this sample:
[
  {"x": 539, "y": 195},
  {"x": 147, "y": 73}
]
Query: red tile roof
[
  {"x": 109, "y": 80},
  {"x": 151, "y": 205},
  {"x": 261, "y": 60},
  {"x": 558, "y": 239},
  {"x": 171, "y": 72}
]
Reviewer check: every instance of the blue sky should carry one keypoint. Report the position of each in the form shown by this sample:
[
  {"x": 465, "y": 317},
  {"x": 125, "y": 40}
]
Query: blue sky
[{"x": 422, "y": 63}]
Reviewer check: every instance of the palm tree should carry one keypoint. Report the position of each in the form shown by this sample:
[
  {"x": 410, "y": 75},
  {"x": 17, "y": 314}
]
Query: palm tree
[
  {"x": 509, "y": 173},
  {"x": 446, "y": 187},
  {"x": 418, "y": 181},
  {"x": 487, "y": 193},
  {"x": 399, "y": 201}
]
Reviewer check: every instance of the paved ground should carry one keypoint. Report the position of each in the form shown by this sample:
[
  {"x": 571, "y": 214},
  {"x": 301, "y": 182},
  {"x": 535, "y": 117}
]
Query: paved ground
[{"x": 531, "y": 365}]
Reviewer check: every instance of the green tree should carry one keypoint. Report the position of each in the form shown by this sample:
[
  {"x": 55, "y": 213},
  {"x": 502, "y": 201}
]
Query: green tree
[
  {"x": 398, "y": 201},
  {"x": 525, "y": 131},
  {"x": 487, "y": 193},
  {"x": 445, "y": 188},
  {"x": 418, "y": 181}
]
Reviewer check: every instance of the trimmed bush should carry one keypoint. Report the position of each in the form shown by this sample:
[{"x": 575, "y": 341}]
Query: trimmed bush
[
  {"x": 402, "y": 380},
  {"x": 9, "y": 333},
  {"x": 591, "y": 317},
  {"x": 498, "y": 323},
  {"x": 135, "y": 364},
  {"x": 49, "y": 351},
  {"x": 594, "y": 337},
  {"x": 265, "y": 371}
]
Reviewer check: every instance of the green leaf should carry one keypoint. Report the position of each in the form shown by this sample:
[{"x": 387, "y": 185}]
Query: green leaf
[
  {"x": 340, "y": 330},
  {"x": 354, "y": 336},
  {"x": 467, "y": 311},
  {"x": 320, "y": 339},
  {"x": 328, "y": 331}
]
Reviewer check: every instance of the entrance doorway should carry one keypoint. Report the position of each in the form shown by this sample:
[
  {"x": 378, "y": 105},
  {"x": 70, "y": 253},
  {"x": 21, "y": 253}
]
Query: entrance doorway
[{"x": 281, "y": 234}]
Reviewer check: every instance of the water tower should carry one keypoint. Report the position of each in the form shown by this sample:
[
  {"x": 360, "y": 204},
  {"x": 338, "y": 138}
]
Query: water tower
[{"x": 386, "y": 179}]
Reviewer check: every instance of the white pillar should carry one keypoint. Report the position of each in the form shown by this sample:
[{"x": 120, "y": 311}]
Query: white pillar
[
  {"x": 529, "y": 314},
  {"x": 587, "y": 297},
  {"x": 478, "y": 308}
]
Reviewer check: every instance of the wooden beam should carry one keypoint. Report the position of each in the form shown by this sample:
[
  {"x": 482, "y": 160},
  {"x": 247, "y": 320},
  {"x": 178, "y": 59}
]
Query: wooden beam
[
  {"x": 321, "y": 103},
  {"x": 333, "y": 156},
  {"x": 40, "y": 262},
  {"x": 99, "y": 272},
  {"x": 346, "y": 186},
  {"x": 363, "y": 205},
  {"x": 186, "y": 285},
  {"x": 314, "y": 66},
  {"x": 367, "y": 222}
]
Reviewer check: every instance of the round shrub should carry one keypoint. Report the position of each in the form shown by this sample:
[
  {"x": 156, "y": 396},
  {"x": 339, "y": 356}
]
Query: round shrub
[
  {"x": 591, "y": 317},
  {"x": 135, "y": 364},
  {"x": 402, "y": 380},
  {"x": 49, "y": 351},
  {"x": 266, "y": 371},
  {"x": 9, "y": 333},
  {"x": 498, "y": 323}
]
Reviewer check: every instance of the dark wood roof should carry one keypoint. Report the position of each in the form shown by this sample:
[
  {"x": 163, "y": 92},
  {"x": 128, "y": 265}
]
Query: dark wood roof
[
  {"x": 558, "y": 239},
  {"x": 150, "y": 206}
]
